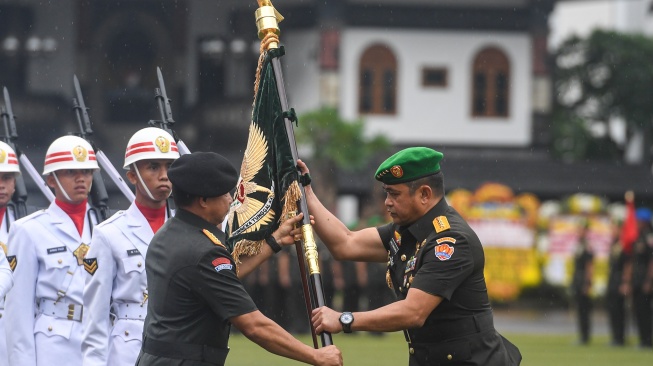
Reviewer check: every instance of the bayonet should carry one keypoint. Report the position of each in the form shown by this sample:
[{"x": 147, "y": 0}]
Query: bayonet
[
  {"x": 165, "y": 110},
  {"x": 84, "y": 122}
]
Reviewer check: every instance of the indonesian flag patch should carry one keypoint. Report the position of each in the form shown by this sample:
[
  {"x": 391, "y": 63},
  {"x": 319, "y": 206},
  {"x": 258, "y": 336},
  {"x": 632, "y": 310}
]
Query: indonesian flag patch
[
  {"x": 221, "y": 263},
  {"x": 444, "y": 252}
]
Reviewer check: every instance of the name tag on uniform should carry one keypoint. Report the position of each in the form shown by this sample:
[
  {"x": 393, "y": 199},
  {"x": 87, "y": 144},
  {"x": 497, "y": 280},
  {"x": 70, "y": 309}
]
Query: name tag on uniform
[
  {"x": 56, "y": 250},
  {"x": 133, "y": 252}
]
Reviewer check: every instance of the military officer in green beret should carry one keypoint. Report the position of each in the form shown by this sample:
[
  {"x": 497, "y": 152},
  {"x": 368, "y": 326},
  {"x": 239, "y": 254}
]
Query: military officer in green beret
[
  {"x": 435, "y": 266},
  {"x": 194, "y": 289}
]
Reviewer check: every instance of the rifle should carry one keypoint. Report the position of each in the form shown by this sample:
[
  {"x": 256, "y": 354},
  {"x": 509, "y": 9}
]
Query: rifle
[
  {"x": 20, "y": 195},
  {"x": 267, "y": 19},
  {"x": 166, "y": 121},
  {"x": 99, "y": 195}
]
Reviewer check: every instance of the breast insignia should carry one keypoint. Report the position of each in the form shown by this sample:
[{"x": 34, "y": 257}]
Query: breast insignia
[
  {"x": 441, "y": 224},
  {"x": 213, "y": 238}
]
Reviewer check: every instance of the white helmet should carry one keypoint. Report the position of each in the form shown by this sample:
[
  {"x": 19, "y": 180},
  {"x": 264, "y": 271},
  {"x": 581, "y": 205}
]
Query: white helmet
[
  {"x": 69, "y": 152},
  {"x": 150, "y": 143},
  {"x": 8, "y": 159}
]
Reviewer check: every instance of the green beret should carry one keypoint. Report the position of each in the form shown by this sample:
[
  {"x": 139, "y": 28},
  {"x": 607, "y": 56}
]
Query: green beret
[
  {"x": 203, "y": 174},
  {"x": 408, "y": 165}
]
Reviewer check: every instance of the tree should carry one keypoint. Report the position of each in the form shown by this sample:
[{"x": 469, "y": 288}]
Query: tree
[
  {"x": 606, "y": 77},
  {"x": 334, "y": 145}
]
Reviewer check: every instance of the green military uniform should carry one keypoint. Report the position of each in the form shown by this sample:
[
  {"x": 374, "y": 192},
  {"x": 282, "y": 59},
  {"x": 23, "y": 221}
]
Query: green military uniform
[
  {"x": 441, "y": 255},
  {"x": 192, "y": 281}
]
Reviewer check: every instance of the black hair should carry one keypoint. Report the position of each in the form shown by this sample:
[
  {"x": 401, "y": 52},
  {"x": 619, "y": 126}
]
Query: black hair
[
  {"x": 182, "y": 199},
  {"x": 435, "y": 181}
]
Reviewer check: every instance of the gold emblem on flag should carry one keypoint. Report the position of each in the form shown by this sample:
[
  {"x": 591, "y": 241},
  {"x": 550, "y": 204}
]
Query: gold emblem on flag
[
  {"x": 163, "y": 144},
  {"x": 3, "y": 156},
  {"x": 80, "y": 153},
  {"x": 80, "y": 253},
  {"x": 244, "y": 206}
]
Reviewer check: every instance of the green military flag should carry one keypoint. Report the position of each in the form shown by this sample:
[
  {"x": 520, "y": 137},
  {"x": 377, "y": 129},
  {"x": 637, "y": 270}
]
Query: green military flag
[{"x": 268, "y": 186}]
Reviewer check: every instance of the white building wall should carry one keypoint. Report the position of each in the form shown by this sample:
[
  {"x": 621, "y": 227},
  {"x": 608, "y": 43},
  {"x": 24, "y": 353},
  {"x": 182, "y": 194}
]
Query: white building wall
[
  {"x": 301, "y": 70},
  {"x": 433, "y": 115}
]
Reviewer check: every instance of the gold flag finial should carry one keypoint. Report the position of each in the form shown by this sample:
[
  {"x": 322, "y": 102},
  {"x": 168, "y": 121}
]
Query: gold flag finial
[{"x": 267, "y": 21}]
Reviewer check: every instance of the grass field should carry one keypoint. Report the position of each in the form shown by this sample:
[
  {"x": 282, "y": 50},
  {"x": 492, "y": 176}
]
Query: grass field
[{"x": 537, "y": 350}]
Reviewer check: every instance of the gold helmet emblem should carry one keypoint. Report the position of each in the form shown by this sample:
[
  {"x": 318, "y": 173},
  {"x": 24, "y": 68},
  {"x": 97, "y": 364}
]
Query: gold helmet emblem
[
  {"x": 80, "y": 153},
  {"x": 163, "y": 144},
  {"x": 3, "y": 156}
]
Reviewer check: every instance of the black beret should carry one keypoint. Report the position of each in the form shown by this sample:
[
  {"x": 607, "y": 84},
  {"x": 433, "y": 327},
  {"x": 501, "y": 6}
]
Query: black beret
[{"x": 203, "y": 174}]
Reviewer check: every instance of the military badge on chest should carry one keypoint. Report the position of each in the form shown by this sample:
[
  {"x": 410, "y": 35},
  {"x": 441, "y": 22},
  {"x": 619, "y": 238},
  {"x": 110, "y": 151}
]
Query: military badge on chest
[{"x": 80, "y": 253}]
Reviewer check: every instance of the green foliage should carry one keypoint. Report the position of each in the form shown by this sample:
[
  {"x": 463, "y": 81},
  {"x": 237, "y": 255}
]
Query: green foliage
[
  {"x": 332, "y": 138},
  {"x": 604, "y": 76}
]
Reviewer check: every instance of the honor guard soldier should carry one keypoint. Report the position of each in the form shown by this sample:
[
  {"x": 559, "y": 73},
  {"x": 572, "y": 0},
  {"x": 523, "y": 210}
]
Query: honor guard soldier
[
  {"x": 435, "y": 266},
  {"x": 8, "y": 171},
  {"x": 45, "y": 308},
  {"x": 195, "y": 292},
  {"x": 115, "y": 296}
]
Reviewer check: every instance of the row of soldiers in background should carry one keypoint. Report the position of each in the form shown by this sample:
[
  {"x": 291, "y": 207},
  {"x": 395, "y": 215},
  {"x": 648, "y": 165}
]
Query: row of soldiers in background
[
  {"x": 353, "y": 286},
  {"x": 630, "y": 279}
]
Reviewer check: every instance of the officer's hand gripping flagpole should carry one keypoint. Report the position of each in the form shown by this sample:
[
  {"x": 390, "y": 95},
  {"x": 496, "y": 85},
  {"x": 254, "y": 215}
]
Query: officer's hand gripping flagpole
[
  {"x": 85, "y": 129},
  {"x": 267, "y": 19},
  {"x": 11, "y": 134}
]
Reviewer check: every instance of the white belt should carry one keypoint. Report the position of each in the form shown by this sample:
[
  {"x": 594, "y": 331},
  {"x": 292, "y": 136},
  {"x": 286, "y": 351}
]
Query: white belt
[
  {"x": 130, "y": 311},
  {"x": 61, "y": 309}
]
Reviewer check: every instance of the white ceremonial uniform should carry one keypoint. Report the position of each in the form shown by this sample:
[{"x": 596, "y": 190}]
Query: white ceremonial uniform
[
  {"x": 44, "y": 310},
  {"x": 6, "y": 281},
  {"x": 117, "y": 286}
]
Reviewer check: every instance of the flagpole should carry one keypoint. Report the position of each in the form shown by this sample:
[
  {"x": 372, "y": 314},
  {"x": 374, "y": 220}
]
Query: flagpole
[{"x": 267, "y": 19}]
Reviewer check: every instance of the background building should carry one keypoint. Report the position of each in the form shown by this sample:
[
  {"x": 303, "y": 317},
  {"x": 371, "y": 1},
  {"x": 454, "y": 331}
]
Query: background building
[{"x": 469, "y": 77}]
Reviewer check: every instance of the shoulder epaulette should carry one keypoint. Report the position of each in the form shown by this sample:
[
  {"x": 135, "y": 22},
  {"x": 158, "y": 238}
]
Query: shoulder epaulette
[
  {"x": 113, "y": 218},
  {"x": 441, "y": 224},
  {"x": 213, "y": 238}
]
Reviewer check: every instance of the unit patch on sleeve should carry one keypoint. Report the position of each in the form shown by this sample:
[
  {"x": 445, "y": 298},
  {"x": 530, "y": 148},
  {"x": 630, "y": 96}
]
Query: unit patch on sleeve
[
  {"x": 444, "y": 252},
  {"x": 12, "y": 262},
  {"x": 441, "y": 224},
  {"x": 90, "y": 265},
  {"x": 221, "y": 263},
  {"x": 446, "y": 239}
]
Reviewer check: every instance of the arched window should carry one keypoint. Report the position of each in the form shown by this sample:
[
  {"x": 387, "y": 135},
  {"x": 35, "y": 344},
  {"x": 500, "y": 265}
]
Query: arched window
[
  {"x": 377, "y": 84},
  {"x": 491, "y": 84}
]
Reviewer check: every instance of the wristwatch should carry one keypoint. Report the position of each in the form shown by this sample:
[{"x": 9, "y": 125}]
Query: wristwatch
[
  {"x": 346, "y": 319},
  {"x": 272, "y": 242}
]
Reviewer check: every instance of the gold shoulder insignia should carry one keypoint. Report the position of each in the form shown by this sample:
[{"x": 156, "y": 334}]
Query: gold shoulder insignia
[
  {"x": 90, "y": 265},
  {"x": 4, "y": 247},
  {"x": 213, "y": 238},
  {"x": 441, "y": 224},
  {"x": 12, "y": 262}
]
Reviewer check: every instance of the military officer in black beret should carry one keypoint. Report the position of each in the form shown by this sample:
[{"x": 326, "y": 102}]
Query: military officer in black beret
[
  {"x": 194, "y": 290},
  {"x": 435, "y": 266}
]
